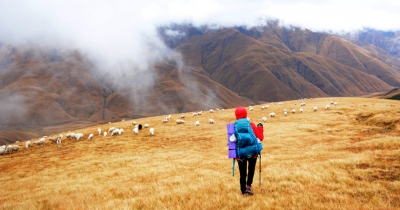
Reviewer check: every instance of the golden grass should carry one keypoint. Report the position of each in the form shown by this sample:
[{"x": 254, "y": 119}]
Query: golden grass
[{"x": 347, "y": 157}]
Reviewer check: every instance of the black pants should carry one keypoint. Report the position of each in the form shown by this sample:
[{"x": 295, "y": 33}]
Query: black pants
[{"x": 243, "y": 172}]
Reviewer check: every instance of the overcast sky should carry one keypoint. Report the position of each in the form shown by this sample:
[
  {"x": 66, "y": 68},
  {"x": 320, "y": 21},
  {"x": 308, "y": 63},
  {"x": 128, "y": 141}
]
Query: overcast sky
[{"x": 120, "y": 30}]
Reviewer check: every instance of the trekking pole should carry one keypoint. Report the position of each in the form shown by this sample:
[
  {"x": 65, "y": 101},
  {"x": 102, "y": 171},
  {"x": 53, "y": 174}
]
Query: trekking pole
[{"x": 259, "y": 183}]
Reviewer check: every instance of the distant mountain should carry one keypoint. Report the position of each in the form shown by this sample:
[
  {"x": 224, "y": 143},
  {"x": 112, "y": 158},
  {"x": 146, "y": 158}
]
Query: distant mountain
[{"x": 44, "y": 91}]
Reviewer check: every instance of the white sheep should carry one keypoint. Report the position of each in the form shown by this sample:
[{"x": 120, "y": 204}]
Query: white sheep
[
  {"x": 251, "y": 109},
  {"x": 182, "y": 116},
  {"x": 211, "y": 110},
  {"x": 169, "y": 117},
  {"x": 134, "y": 123},
  {"x": 3, "y": 150},
  {"x": 11, "y": 148},
  {"x": 211, "y": 121},
  {"x": 272, "y": 114},
  {"x": 120, "y": 131},
  {"x": 180, "y": 122},
  {"x": 301, "y": 110},
  {"x": 115, "y": 132},
  {"x": 28, "y": 144},
  {"x": 199, "y": 113},
  {"x": 99, "y": 131},
  {"x": 151, "y": 131},
  {"x": 335, "y": 103},
  {"x": 146, "y": 125},
  {"x": 59, "y": 142},
  {"x": 135, "y": 130},
  {"x": 165, "y": 120},
  {"x": 111, "y": 129},
  {"x": 264, "y": 119},
  {"x": 40, "y": 142},
  {"x": 197, "y": 123},
  {"x": 327, "y": 106},
  {"x": 78, "y": 136},
  {"x": 105, "y": 134},
  {"x": 90, "y": 136},
  {"x": 53, "y": 139},
  {"x": 285, "y": 113},
  {"x": 194, "y": 114},
  {"x": 315, "y": 108},
  {"x": 293, "y": 111}
]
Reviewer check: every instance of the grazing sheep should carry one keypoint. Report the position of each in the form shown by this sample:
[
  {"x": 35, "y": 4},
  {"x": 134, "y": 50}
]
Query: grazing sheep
[
  {"x": 327, "y": 106},
  {"x": 3, "y": 150},
  {"x": 303, "y": 103},
  {"x": 315, "y": 108},
  {"x": 169, "y": 117},
  {"x": 123, "y": 120},
  {"x": 285, "y": 113},
  {"x": 199, "y": 113},
  {"x": 197, "y": 123},
  {"x": 165, "y": 120},
  {"x": 264, "y": 119},
  {"x": 27, "y": 144},
  {"x": 136, "y": 130},
  {"x": 211, "y": 110},
  {"x": 111, "y": 129},
  {"x": 17, "y": 142},
  {"x": 115, "y": 132},
  {"x": 293, "y": 111},
  {"x": 90, "y": 137},
  {"x": 182, "y": 116},
  {"x": 146, "y": 125},
  {"x": 180, "y": 122},
  {"x": 251, "y": 108},
  {"x": 11, "y": 148},
  {"x": 211, "y": 121},
  {"x": 53, "y": 139},
  {"x": 60, "y": 136},
  {"x": 40, "y": 142},
  {"x": 151, "y": 131},
  {"x": 134, "y": 123},
  {"x": 301, "y": 110},
  {"x": 105, "y": 134},
  {"x": 59, "y": 142},
  {"x": 78, "y": 136},
  {"x": 335, "y": 103},
  {"x": 272, "y": 114},
  {"x": 99, "y": 131},
  {"x": 194, "y": 114},
  {"x": 120, "y": 131}
]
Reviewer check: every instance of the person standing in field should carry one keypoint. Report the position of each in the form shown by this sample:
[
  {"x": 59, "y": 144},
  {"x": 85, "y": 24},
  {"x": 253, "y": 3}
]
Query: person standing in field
[{"x": 247, "y": 158}]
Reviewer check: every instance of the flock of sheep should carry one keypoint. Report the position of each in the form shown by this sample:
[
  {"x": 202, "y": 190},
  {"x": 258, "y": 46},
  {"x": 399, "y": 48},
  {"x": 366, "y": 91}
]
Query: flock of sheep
[{"x": 113, "y": 131}]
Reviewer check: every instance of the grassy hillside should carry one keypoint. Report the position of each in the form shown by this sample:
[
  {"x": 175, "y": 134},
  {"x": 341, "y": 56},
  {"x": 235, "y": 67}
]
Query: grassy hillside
[{"x": 347, "y": 157}]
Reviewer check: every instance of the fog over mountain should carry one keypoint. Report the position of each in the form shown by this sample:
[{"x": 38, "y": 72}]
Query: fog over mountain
[{"x": 65, "y": 64}]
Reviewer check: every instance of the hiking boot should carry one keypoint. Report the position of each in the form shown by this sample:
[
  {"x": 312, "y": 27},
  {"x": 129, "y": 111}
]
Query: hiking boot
[{"x": 249, "y": 191}]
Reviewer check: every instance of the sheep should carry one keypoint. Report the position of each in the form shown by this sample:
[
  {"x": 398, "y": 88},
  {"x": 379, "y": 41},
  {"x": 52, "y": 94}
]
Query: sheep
[
  {"x": 272, "y": 114},
  {"x": 165, "y": 120},
  {"x": 264, "y": 119},
  {"x": 146, "y": 125},
  {"x": 169, "y": 117},
  {"x": 327, "y": 106},
  {"x": 69, "y": 135},
  {"x": 151, "y": 131},
  {"x": 199, "y": 113},
  {"x": 180, "y": 122},
  {"x": 78, "y": 136},
  {"x": 3, "y": 150},
  {"x": 40, "y": 142},
  {"x": 136, "y": 130},
  {"x": 211, "y": 121},
  {"x": 335, "y": 103},
  {"x": 293, "y": 111},
  {"x": 115, "y": 132},
  {"x": 285, "y": 113},
  {"x": 27, "y": 144},
  {"x": 134, "y": 123},
  {"x": 251, "y": 109},
  {"x": 11, "y": 148},
  {"x": 16, "y": 142},
  {"x": 105, "y": 134},
  {"x": 182, "y": 116},
  {"x": 53, "y": 139},
  {"x": 111, "y": 129},
  {"x": 301, "y": 110},
  {"x": 194, "y": 114},
  {"x": 211, "y": 110},
  {"x": 197, "y": 123},
  {"x": 59, "y": 142},
  {"x": 303, "y": 103},
  {"x": 91, "y": 136},
  {"x": 99, "y": 131},
  {"x": 123, "y": 120},
  {"x": 315, "y": 108},
  {"x": 120, "y": 131}
]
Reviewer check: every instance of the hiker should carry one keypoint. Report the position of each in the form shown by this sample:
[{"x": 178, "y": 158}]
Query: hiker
[{"x": 247, "y": 164}]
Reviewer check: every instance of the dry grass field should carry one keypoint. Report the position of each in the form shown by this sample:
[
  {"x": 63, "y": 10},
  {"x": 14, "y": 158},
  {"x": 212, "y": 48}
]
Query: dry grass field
[{"x": 347, "y": 157}]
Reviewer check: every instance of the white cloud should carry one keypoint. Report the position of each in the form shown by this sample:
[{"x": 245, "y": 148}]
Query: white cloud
[{"x": 123, "y": 30}]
